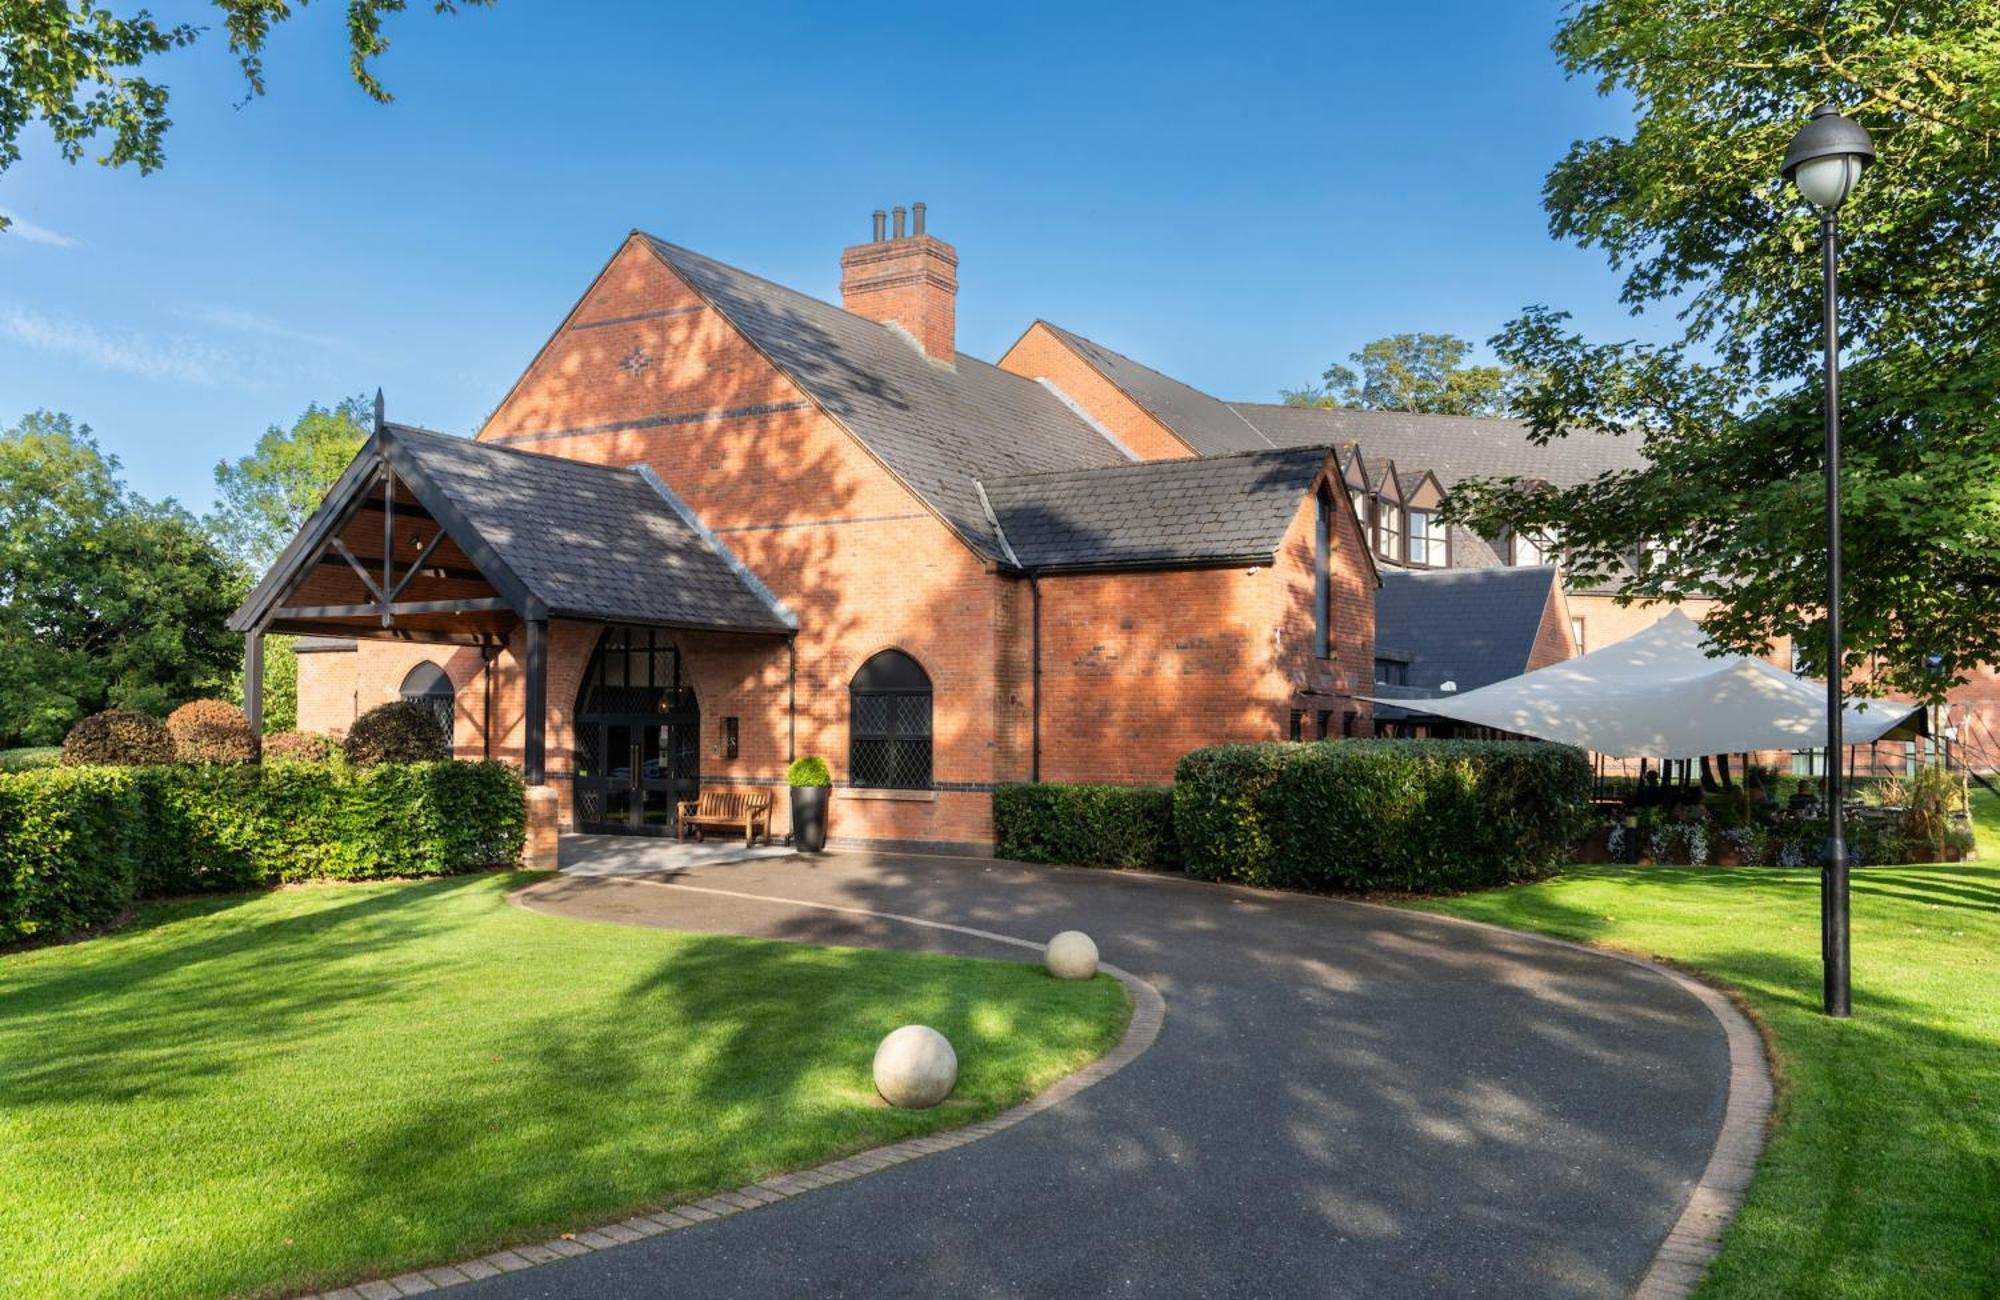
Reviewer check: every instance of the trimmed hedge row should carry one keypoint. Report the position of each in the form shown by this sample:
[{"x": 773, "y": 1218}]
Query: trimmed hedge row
[
  {"x": 1356, "y": 815},
  {"x": 78, "y": 844},
  {"x": 1088, "y": 825}
]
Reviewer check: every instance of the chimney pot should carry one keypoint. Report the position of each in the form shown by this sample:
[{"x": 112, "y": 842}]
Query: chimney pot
[
  {"x": 916, "y": 218},
  {"x": 881, "y": 224},
  {"x": 910, "y": 282}
]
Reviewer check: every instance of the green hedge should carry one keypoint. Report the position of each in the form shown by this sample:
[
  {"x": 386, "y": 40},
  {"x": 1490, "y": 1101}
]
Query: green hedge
[
  {"x": 70, "y": 841},
  {"x": 78, "y": 844},
  {"x": 1360, "y": 815},
  {"x": 1089, "y": 825}
]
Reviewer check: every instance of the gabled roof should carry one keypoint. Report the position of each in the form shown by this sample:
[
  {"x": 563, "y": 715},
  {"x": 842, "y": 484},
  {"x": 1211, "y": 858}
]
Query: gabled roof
[
  {"x": 937, "y": 427},
  {"x": 1213, "y": 510},
  {"x": 1205, "y": 424},
  {"x": 1467, "y": 626},
  {"x": 1455, "y": 447},
  {"x": 554, "y": 538},
  {"x": 592, "y": 541}
]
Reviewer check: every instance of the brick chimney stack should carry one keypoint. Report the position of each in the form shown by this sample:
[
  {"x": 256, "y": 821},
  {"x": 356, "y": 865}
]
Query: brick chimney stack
[{"x": 911, "y": 279}]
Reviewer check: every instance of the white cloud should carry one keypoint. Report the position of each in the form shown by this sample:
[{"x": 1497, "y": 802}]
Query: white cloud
[
  {"x": 183, "y": 360},
  {"x": 33, "y": 233},
  {"x": 250, "y": 322}
]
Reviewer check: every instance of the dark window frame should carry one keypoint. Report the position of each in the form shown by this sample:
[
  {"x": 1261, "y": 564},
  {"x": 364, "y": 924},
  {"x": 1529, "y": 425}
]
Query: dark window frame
[
  {"x": 1323, "y": 517},
  {"x": 433, "y": 691},
  {"x": 899, "y": 754},
  {"x": 1397, "y": 674}
]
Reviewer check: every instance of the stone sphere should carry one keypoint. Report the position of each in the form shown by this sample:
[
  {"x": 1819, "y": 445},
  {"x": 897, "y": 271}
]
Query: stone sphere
[
  {"x": 1071, "y": 956},
  {"x": 915, "y": 1067}
]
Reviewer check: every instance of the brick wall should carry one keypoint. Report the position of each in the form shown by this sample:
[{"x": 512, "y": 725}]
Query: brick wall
[
  {"x": 326, "y": 691},
  {"x": 1039, "y": 354},
  {"x": 1554, "y": 640}
]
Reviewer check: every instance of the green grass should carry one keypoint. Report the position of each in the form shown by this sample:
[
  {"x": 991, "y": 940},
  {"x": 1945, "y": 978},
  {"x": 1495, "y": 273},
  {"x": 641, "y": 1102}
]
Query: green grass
[
  {"x": 1883, "y": 1175},
  {"x": 20, "y": 760},
  {"x": 282, "y": 1091}
]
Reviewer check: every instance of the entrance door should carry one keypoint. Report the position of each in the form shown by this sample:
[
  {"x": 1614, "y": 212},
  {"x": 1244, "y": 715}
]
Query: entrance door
[
  {"x": 638, "y": 736},
  {"x": 644, "y": 768}
]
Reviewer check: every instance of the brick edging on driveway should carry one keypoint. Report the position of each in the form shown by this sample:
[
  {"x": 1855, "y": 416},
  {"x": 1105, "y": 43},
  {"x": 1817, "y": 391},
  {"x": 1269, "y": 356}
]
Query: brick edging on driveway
[
  {"x": 1695, "y": 1240},
  {"x": 1149, "y": 1011}
]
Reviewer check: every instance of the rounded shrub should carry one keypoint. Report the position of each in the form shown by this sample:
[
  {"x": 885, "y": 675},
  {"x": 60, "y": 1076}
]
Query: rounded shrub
[
  {"x": 211, "y": 731},
  {"x": 298, "y": 747},
  {"x": 396, "y": 732},
  {"x": 808, "y": 771},
  {"x": 118, "y": 738}
]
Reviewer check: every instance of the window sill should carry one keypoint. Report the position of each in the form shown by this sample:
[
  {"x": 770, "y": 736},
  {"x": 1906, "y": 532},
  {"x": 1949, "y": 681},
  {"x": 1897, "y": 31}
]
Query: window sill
[{"x": 889, "y": 795}]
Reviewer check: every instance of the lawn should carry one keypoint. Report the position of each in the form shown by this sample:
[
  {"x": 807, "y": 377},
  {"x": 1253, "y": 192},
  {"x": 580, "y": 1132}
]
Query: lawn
[
  {"x": 274, "y": 1092},
  {"x": 1883, "y": 1175}
]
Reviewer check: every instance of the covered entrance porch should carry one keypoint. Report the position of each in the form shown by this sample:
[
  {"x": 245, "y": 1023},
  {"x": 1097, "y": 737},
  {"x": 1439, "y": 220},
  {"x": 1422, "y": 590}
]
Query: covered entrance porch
[{"x": 434, "y": 539}]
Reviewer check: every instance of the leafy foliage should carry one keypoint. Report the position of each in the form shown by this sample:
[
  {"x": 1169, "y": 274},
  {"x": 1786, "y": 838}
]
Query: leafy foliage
[
  {"x": 298, "y": 747},
  {"x": 264, "y": 498},
  {"x": 78, "y": 844},
  {"x": 397, "y": 732},
  {"x": 1085, "y": 825},
  {"x": 1411, "y": 372},
  {"x": 69, "y": 841},
  {"x": 105, "y": 598},
  {"x": 211, "y": 731},
  {"x": 1933, "y": 803},
  {"x": 32, "y": 756},
  {"x": 1690, "y": 206},
  {"x": 1380, "y": 814},
  {"x": 807, "y": 770},
  {"x": 118, "y": 738},
  {"x": 73, "y": 68}
]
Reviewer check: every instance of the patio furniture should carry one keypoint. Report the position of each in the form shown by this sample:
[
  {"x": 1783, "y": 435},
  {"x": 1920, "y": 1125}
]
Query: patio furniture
[{"x": 746, "y": 810}]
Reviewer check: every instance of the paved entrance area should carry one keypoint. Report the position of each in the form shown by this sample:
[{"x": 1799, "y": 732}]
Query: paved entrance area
[
  {"x": 1344, "y": 1101},
  {"x": 646, "y": 855}
]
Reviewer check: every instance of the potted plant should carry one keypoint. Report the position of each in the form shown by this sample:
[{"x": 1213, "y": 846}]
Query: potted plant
[{"x": 811, "y": 782}]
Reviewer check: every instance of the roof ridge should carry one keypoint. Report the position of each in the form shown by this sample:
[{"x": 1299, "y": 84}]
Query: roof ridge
[{"x": 1275, "y": 453}]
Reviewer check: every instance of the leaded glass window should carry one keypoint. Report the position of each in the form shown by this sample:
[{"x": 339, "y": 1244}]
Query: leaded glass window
[{"x": 889, "y": 724}]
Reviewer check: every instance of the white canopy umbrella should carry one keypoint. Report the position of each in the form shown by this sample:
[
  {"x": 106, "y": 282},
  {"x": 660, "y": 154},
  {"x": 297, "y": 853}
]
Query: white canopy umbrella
[{"x": 1659, "y": 694}]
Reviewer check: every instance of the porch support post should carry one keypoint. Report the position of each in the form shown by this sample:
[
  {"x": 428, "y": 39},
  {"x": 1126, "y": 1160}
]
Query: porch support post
[
  {"x": 534, "y": 751},
  {"x": 253, "y": 685}
]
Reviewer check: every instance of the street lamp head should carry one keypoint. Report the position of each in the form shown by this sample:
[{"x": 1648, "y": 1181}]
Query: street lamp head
[{"x": 1827, "y": 157}]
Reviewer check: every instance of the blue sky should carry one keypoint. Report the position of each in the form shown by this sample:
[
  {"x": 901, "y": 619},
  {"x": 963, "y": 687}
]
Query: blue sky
[{"x": 1236, "y": 195}]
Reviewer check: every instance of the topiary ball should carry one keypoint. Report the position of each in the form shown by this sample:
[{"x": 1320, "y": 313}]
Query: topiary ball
[
  {"x": 915, "y": 1067},
  {"x": 808, "y": 771},
  {"x": 118, "y": 738},
  {"x": 211, "y": 731},
  {"x": 396, "y": 732},
  {"x": 298, "y": 747}
]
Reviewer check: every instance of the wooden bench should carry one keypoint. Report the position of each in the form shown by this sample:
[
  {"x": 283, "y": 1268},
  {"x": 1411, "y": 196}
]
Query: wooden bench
[{"x": 746, "y": 810}]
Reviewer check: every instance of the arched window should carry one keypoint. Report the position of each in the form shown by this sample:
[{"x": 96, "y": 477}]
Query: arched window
[
  {"x": 428, "y": 686},
  {"x": 889, "y": 724}
]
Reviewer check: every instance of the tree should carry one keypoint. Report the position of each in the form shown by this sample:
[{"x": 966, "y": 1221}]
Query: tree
[
  {"x": 1690, "y": 207},
  {"x": 1421, "y": 373},
  {"x": 265, "y": 497},
  {"x": 105, "y": 599},
  {"x": 71, "y": 67}
]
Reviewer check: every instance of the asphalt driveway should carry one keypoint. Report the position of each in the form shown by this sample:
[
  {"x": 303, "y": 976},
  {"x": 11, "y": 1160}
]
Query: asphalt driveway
[{"x": 1344, "y": 1101}]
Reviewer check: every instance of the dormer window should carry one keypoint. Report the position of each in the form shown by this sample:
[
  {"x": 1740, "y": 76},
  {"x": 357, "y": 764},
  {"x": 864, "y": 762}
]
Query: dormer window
[
  {"x": 1389, "y": 531},
  {"x": 1429, "y": 546},
  {"x": 1531, "y": 549}
]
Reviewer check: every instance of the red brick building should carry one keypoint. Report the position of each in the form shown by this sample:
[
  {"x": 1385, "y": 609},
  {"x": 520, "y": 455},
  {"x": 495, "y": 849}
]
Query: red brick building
[{"x": 718, "y": 523}]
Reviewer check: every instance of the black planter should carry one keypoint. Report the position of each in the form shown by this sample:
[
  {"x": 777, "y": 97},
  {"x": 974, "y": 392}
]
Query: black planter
[{"x": 809, "y": 817}]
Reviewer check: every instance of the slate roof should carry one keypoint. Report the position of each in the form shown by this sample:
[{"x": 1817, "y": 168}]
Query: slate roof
[
  {"x": 937, "y": 427},
  {"x": 1469, "y": 626},
  {"x": 591, "y": 541},
  {"x": 1205, "y": 423},
  {"x": 1197, "y": 511},
  {"x": 1454, "y": 447}
]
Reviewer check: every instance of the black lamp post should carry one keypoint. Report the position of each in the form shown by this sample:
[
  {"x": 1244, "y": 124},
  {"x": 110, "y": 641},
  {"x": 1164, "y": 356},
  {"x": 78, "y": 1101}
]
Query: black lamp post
[{"x": 1824, "y": 160}]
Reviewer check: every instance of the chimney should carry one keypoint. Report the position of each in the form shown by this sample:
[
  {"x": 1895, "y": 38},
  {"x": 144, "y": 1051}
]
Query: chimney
[{"x": 910, "y": 279}]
